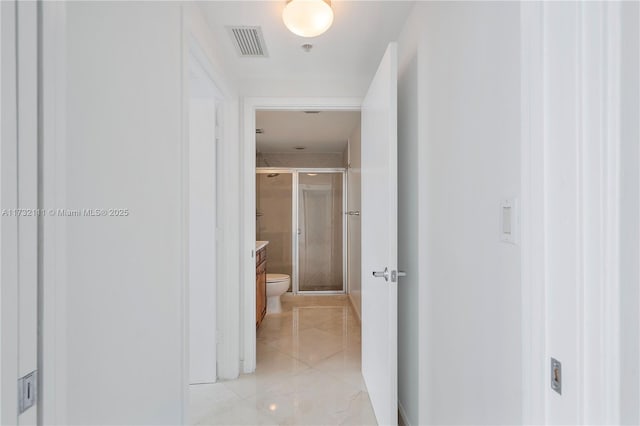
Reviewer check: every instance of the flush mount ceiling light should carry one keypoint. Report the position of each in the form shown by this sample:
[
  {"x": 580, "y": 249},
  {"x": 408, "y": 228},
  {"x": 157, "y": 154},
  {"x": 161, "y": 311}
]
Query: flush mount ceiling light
[{"x": 308, "y": 18}]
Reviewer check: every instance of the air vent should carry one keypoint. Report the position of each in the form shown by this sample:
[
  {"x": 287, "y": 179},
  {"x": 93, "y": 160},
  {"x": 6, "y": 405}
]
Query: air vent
[{"x": 249, "y": 41}]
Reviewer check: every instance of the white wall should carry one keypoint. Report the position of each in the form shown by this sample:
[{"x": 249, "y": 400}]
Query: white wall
[
  {"x": 124, "y": 304},
  {"x": 459, "y": 148},
  {"x": 472, "y": 88},
  {"x": 354, "y": 282},
  {"x": 292, "y": 87},
  {"x": 125, "y": 125},
  {"x": 313, "y": 160}
]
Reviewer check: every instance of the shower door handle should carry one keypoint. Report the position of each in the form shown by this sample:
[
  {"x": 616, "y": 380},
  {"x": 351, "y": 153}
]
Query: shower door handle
[{"x": 384, "y": 274}]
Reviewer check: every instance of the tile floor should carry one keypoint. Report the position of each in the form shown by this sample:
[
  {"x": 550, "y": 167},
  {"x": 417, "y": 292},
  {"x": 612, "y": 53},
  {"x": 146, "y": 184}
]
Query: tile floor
[{"x": 308, "y": 372}]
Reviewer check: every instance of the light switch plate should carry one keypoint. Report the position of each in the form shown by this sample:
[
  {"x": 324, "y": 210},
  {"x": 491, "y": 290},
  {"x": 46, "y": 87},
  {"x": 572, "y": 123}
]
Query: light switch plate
[{"x": 509, "y": 221}]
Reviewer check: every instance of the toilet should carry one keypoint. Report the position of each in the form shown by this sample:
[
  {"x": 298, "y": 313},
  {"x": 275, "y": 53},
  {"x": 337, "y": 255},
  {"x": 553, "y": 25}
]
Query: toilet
[{"x": 277, "y": 285}]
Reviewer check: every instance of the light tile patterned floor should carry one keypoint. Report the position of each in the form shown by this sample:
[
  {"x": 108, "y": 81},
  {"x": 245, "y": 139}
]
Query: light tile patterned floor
[{"x": 308, "y": 372}]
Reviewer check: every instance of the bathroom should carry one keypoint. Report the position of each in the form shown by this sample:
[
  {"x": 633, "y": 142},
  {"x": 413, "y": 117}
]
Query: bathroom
[{"x": 308, "y": 237}]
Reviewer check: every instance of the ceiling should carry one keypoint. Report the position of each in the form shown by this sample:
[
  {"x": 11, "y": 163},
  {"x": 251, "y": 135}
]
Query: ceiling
[
  {"x": 348, "y": 52},
  {"x": 327, "y": 131}
]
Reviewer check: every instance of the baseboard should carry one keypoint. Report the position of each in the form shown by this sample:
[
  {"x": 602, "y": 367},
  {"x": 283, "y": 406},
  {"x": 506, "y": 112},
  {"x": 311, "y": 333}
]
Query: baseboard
[
  {"x": 403, "y": 419},
  {"x": 353, "y": 305}
]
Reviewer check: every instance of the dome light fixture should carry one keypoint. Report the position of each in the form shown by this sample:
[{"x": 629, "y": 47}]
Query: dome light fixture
[{"x": 308, "y": 18}]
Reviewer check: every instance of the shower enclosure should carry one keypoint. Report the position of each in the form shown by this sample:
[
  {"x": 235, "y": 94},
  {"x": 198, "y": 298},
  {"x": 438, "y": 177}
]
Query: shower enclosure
[{"x": 301, "y": 213}]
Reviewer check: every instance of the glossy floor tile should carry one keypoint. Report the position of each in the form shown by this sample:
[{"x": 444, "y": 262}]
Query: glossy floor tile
[{"x": 308, "y": 372}]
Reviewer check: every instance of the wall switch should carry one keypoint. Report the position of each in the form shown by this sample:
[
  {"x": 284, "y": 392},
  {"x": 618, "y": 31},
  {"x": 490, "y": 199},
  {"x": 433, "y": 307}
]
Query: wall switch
[
  {"x": 509, "y": 220},
  {"x": 556, "y": 375},
  {"x": 27, "y": 391}
]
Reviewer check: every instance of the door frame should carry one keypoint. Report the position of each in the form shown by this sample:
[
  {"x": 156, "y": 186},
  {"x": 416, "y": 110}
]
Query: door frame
[
  {"x": 198, "y": 65},
  {"x": 248, "y": 203},
  {"x": 598, "y": 293}
]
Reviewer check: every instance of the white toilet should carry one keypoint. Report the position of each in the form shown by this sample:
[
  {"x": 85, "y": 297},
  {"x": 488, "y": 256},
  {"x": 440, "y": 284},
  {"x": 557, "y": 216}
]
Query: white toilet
[{"x": 277, "y": 285}]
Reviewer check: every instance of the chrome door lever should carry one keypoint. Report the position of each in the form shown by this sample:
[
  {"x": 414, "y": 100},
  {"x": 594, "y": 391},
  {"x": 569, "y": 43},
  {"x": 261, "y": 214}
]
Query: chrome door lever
[
  {"x": 396, "y": 274},
  {"x": 384, "y": 274}
]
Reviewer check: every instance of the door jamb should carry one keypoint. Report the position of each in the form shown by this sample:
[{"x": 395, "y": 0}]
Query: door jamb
[
  {"x": 533, "y": 295},
  {"x": 195, "y": 59}
]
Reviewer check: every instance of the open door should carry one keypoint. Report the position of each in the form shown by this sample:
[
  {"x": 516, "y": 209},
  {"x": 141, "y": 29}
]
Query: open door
[{"x": 380, "y": 240}]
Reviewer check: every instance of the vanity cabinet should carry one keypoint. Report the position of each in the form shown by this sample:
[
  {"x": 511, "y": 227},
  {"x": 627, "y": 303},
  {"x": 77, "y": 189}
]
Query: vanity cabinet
[{"x": 261, "y": 285}]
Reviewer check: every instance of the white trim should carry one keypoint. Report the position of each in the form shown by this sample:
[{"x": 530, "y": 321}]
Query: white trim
[
  {"x": 597, "y": 146},
  {"x": 532, "y": 217},
  {"x": 611, "y": 186},
  {"x": 184, "y": 220},
  {"x": 54, "y": 274},
  {"x": 8, "y": 225},
  {"x": 195, "y": 60},
  {"x": 248, "y": 208},
  {"x": 196, "y": 29},
  {"x": 598, "y": 108},
  {"x": 27, "y": 157},
  {"x": 581, "y": 174}
]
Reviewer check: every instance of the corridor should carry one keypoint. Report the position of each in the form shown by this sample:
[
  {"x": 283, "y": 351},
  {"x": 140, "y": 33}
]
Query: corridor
[{"x": 308, "y": 371}]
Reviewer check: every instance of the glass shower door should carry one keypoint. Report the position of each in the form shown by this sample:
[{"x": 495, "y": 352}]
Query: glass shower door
[{"x": 320, "y": 232}]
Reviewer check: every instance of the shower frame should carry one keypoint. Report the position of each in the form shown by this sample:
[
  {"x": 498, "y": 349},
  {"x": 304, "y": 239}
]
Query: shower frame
[{"x": 295, "y": 171}]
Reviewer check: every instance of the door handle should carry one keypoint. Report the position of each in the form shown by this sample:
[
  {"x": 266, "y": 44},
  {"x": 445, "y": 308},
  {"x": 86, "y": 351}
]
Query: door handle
[
  {"x": 396, "y": 274},
  {"x": 384, "y": 274}
]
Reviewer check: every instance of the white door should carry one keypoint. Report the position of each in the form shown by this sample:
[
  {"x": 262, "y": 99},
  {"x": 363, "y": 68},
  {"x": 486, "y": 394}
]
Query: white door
[{"x": 380, "y": 240}]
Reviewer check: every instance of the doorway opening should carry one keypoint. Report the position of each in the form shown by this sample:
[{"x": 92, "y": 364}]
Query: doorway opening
[
  {"x": 301, "y": 223},
  {"x": 306, "y": 203},
  {"x": 266, "y": 123},
  {"x": 305, "y": 207}
]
